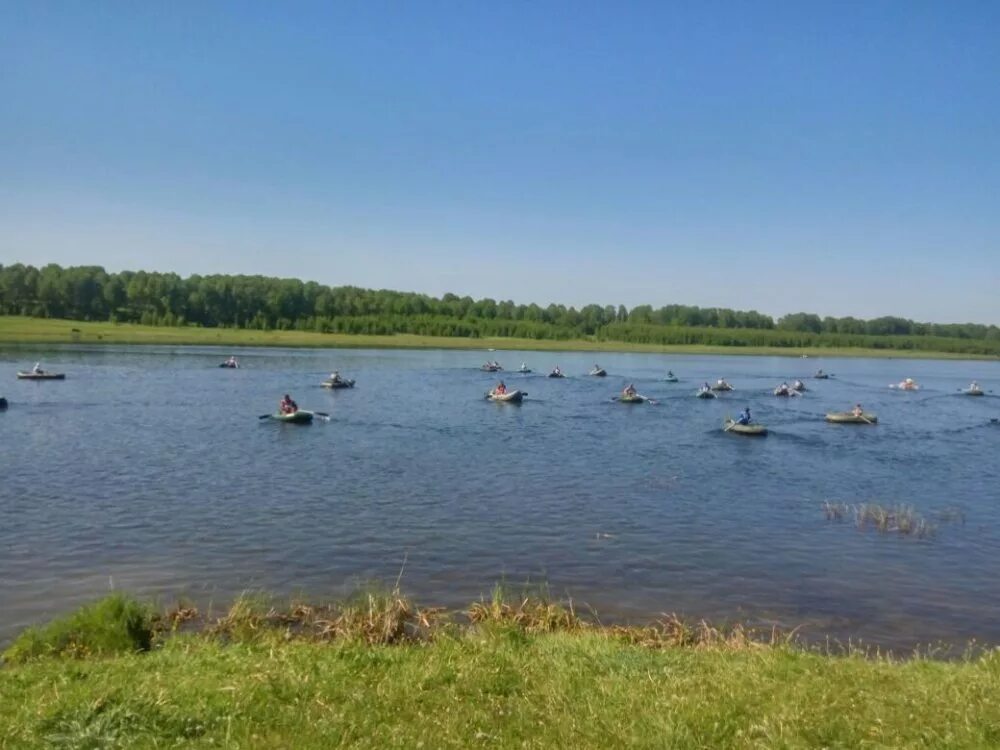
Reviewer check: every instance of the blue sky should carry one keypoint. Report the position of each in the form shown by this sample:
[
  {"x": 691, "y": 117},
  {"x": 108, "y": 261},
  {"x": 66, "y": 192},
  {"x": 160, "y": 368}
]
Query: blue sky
[{"x": 839, "y": 158}]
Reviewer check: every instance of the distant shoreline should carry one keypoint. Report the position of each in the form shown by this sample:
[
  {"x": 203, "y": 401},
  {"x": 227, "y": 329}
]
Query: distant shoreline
[{"x": 40, "y": 331}]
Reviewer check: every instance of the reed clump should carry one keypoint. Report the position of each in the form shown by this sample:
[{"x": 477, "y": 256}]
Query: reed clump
[
  {"x": 378, "y": 618},
  {"x": 900, "y": 518},
  {"x": 529, "y": 612},
  {"x": 372, "y": 616},
  {"x": 670, "y": 631},
  {"x": 835, "y": 511}
]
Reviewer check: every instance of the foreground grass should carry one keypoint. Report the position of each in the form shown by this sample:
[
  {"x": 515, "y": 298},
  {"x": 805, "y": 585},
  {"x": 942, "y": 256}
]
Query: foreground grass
[
  {"x": 376, "y": 671},
  {"x": 115, "y": 624},
  {"x": 20, "y": 330},
  {"x": 500, "y": 688}
]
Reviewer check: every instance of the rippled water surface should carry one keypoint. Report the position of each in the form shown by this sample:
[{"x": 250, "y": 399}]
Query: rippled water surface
[{"x": 148, "y": 469}]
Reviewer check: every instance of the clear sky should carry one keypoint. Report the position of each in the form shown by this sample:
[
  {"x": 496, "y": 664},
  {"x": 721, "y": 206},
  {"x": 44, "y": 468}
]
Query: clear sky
[{"x": 839, "y": 158}]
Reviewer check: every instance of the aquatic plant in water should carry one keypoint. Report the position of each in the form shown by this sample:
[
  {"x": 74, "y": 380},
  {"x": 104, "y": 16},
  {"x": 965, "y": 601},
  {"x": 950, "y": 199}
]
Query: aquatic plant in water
[{"x": 898, "y": 518}]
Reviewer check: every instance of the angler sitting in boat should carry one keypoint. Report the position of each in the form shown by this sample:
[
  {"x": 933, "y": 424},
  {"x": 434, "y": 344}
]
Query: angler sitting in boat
[
  {"x": 722, "y": 385},
  {"x": 744, "y": 418},
  {"x": 629, "y": 391},
  {"x": 781, "y": 390},
  {"x": 974, "y": 389},
  {"x": 500, "y": 390},
  {"x": 335, "y": 377},
  {"x": 287, "y": 405},
  {"x": 821, "y": 375},
  {"x": 799, "y": 385},
  {"x": 556, "y": 373},
  {"x": 857, "y": 411},
  {"x": 524, "y": 368}
]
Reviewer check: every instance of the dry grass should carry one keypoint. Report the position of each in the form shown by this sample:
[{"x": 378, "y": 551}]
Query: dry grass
[
  {"x": 531, "y": 613},
  {"x": 670, "y": 631},
  {"x": 371, "y": 616}
]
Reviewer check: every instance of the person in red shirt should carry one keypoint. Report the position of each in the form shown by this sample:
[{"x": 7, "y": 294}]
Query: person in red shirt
[{"x": 287, "y": 405}]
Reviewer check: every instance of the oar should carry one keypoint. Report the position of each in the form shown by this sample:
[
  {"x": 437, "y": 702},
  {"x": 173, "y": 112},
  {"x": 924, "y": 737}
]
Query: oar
[
  {"x": 731, "y": 424},
  {"x": 264, "y": 416},
  {"x": 863, "y": 417}
]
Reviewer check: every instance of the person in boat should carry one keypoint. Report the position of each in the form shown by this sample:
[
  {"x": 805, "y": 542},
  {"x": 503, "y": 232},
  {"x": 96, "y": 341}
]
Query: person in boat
[
  {"x": 335, "y": 376},
  {"x": 798, "y": 385},
  {"x": 722, "y": 383},
  {"x": 974, "y": 386},
  {"x": 670, "y": 373},
  {"x": 500, "y": 390},
  {"x": 819, "y": 373},
  {"x": 705, "y": 386},
  {"x": 857, "y": 411},
  {"x": 557, "y": 371},
  {"x": 783, "y": 388},
  {"x": 287, "y": 405},
  {"x": 629, "y": 391},
  {"x": 231, "y": 362},
  {"x": 37, "y": 369},
  {"x": 744, "y": 418}
]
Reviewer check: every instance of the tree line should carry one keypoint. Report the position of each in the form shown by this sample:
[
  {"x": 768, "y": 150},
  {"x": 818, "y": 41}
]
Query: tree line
[{"x": 259, "y": 302}]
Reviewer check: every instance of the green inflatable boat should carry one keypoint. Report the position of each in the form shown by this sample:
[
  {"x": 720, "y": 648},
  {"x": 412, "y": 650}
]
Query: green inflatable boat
[
  {"x": 752, "y": 430},
  {"x": 636, "y": 399},
  {"x": 846, "y": 417},
  {"x": 296, "y": 417},
  {"x": 41, "y": 376}
]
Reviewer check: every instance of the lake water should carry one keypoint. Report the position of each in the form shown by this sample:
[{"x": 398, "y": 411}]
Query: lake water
[{"x": 148, "y": 470}]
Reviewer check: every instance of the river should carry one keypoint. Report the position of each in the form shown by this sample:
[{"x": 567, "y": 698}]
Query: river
[{"x": 148, "y": 470}]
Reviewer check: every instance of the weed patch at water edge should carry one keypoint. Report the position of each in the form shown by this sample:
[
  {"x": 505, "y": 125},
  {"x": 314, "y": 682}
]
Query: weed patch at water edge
[{"x": 114, "y": 625}]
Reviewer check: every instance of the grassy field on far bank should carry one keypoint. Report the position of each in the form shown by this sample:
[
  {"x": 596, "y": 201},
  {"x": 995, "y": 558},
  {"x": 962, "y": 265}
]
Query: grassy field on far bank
[
  {"x": 377, "y": 671},
  {"x": 41, "y": 331}
]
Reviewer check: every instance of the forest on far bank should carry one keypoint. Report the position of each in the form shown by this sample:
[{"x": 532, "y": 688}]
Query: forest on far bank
[{"x": 263, "y": 303}]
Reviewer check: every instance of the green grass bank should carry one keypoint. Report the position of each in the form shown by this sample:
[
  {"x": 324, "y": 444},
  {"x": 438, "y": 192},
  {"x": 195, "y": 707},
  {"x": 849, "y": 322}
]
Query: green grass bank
[
  {"x": 42, "y": 331},
  {"x": 378, "y": 672}
]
